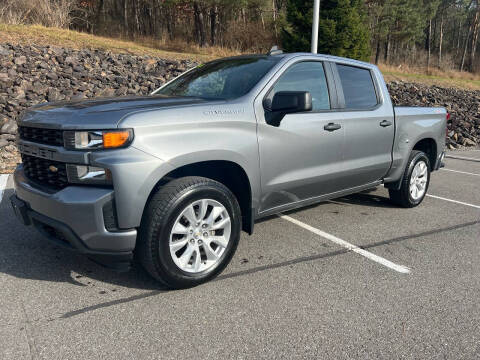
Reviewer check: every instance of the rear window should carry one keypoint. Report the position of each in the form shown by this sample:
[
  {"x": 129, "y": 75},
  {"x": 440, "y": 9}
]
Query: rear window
[{"x": 358, "y": 87}]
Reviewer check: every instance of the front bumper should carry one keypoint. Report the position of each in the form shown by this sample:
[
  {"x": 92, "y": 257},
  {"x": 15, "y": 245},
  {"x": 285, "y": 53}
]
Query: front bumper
[{"x": 73, "y": 218}]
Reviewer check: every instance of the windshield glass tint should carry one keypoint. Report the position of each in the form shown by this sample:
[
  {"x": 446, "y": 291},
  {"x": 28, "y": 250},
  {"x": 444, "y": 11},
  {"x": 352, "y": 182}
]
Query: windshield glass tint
[{"x": 223, "y": 79}]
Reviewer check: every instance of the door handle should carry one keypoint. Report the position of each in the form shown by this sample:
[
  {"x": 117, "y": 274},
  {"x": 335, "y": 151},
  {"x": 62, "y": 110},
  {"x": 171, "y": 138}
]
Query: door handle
[
  {"x": 385, "y": 123},
  {"x": 332, "y": 127}
]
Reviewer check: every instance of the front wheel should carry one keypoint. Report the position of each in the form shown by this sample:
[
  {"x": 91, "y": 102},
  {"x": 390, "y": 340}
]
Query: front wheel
[
  {"x": 190, "y": 231},
  {"x": 414, "y": 183}
]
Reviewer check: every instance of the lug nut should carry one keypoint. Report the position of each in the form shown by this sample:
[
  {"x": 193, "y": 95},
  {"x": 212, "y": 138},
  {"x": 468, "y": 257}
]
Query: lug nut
[
  {"x": 205, "y": 234},
  {"x": 200, "y": 242},
  {"x": 192, "y": 241},
  {"x": 204, "y": 226}
]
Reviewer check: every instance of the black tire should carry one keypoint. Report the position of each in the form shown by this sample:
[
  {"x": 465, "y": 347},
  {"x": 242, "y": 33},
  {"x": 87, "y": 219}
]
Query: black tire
[
  {"x": 159, "y": 217},
  {"x": 402, "y": 197}
]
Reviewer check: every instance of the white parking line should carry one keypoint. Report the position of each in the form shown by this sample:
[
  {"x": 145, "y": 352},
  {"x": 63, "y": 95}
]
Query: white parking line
[
  {"x": 3, "y": 184},
  {"x": 454, "y": 201},
  {"x": 460, "y": 172},
  {"x": 400, "y": 268},
  {"x": 462, "y": 158}
]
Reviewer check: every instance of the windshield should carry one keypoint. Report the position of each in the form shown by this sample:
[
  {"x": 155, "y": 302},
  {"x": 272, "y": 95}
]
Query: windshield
[{"x": 222, "y": 79}]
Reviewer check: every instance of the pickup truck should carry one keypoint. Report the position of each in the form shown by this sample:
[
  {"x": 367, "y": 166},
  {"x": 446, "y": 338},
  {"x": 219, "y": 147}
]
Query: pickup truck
[{"x": 171, "y": 179}]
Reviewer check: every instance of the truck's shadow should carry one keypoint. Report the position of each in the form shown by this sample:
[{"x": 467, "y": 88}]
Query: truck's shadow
[
  {"x": 365, "y": 198},
  {"x": 25, "y": 254}
]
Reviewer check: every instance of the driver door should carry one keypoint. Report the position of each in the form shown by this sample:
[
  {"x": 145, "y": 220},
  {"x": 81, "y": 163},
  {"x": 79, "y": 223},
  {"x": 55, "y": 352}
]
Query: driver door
[{"x": 300, "y": 159}]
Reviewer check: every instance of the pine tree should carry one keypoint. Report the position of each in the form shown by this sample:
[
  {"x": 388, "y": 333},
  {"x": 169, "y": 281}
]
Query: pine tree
[{"x": 343, "y": 28}]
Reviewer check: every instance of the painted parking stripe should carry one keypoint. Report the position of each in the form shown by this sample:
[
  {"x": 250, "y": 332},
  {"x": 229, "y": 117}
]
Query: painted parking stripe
[
  {"x": 460, "y": 172},
  {"x": 462, "y": 158},
  {"x": 3, "y": 184},
  {"x": 399, "y": 268},
  {"x": 454, "y": 201}
]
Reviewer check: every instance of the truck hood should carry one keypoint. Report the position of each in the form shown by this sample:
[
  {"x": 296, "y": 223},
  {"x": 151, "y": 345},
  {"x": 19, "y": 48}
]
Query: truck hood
[{"x": 103, "y": 113}]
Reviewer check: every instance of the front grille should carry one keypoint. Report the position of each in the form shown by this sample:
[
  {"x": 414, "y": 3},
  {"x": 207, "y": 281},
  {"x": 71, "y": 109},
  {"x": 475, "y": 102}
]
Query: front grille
[
  {"x": 41, "y": 136},
  {"x": 46, "y": 172}
]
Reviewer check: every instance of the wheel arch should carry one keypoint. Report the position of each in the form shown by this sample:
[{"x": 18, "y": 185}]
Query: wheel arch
[
  {"x": 227, "y": 172},
  {"x": 426, "y": 144},
  {"x": 429, "y": 147}
]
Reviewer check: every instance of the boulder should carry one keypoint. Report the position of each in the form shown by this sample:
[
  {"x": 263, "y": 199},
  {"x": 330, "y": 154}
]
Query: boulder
[
  {"x": 20, "y": 60},
  {"x": 10, "y": 127}
]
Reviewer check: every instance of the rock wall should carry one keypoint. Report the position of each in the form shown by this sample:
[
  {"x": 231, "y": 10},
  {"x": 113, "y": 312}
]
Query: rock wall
[
  {"x": 463, "y": 106},
  {"x": 33, "y": 74}
]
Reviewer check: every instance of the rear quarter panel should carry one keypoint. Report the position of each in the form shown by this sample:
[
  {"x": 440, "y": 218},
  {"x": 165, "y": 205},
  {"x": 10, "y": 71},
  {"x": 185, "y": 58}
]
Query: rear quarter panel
[{"x": 413, "y": 124}]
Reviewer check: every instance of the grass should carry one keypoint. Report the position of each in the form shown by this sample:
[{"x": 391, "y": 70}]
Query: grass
[
  {"x": 41, "y": 35},
  {"x": 161, "y": 48},
  {"x": 450, "y": 78}
]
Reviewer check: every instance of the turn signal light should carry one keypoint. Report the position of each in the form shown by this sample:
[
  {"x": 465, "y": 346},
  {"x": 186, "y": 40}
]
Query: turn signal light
[
  {"x": 115, "y": 139},
  {"x": 97, "y": 139}
]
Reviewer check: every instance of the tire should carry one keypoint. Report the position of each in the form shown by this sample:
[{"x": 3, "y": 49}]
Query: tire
[
  {"x": 165, "y": 226},
  {"x": 404, "y": 197}
]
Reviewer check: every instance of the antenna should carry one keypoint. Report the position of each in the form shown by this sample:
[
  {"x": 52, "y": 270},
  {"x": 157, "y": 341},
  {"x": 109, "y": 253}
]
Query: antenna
[{"x": 275, "y": 51}]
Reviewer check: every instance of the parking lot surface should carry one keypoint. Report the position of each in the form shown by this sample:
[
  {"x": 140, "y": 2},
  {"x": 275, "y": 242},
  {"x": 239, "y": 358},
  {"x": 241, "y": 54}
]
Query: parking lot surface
[{"x": 355, "y": 277}]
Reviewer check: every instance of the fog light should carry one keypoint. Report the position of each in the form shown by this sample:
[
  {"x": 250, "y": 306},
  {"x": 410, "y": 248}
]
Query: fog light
[{"x": 84, "y": 174}]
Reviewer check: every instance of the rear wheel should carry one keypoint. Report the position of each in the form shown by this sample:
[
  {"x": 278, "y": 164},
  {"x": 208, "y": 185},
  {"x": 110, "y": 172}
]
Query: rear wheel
[
  {"x": 414, "y": 183},
  {"x": 189, "y": 232}
]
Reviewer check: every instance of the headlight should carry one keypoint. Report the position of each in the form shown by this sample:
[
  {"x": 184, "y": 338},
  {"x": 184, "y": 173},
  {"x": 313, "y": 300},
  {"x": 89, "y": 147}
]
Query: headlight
[
  {"x": 91, "y": 140},
  {"x": 84, "y": 174}
]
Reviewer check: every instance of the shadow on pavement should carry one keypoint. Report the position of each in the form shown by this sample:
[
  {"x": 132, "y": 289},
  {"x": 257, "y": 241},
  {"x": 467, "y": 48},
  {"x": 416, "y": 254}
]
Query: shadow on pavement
[
  {"x": 366, "y": 199},
  {"x": 26, "y": 254},
  {"x": 259, "y": 269}
]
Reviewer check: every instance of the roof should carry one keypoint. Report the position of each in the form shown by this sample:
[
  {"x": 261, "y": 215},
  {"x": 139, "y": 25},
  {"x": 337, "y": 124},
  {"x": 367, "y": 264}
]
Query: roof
[{"x": 296, "y": 54}]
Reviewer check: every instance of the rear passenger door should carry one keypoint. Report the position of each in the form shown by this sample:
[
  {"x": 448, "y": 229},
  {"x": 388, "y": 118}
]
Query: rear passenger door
[{"x": 369, "y": 125}]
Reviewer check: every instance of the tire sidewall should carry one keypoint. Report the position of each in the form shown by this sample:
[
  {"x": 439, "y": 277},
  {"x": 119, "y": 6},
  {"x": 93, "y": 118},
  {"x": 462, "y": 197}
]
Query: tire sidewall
[
  {"x": 420, "y": 156},
  {"x": 161, "y": 236}
]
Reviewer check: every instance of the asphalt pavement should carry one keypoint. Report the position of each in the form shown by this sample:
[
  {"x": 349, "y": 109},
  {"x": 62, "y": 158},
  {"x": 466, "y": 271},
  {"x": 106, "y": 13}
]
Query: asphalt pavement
[{"x": 355, "y": 277}]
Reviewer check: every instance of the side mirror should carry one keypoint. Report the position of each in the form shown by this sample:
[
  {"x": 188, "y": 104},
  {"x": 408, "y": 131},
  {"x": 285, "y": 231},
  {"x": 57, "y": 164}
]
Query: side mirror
[
  {"x": 290, "y": 102},
  {"x": 286, "y": 102}
]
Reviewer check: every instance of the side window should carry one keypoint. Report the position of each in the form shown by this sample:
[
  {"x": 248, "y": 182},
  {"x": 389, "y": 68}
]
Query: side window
[
  {"x": 306, "y": 76},
  {"x": 358, "y": 87}
]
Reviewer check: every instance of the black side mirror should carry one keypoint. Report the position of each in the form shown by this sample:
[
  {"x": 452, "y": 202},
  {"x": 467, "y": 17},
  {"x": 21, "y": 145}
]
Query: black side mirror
[
  {"x": 286, "y": 102},
  {"x": 290, "y": 102}
]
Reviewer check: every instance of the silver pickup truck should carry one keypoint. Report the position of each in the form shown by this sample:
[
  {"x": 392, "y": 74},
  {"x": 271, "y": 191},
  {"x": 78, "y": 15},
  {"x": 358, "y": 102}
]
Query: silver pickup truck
[{"x": 172, "y": 179}]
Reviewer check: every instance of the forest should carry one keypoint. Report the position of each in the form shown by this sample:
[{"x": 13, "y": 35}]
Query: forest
[{"x": 428, "y": 33}]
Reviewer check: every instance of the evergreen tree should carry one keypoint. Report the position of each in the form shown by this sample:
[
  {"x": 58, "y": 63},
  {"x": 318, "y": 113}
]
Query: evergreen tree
[{"x": 343, "y": 28}]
